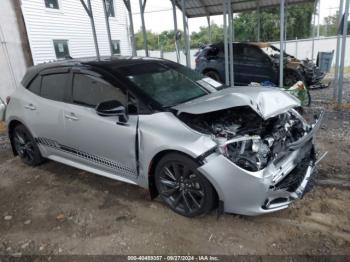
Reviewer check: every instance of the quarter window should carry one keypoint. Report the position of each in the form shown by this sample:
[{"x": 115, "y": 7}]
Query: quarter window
[
  {"x": 35, "y": 85},
  {"x": 53, "y": 4},
  {"x": 53, "y": 86},
  {"x": 115, "y": 47},
  {"x": 61, "y": 48},
  {"x": 90, "y": 91},
  {"x": 110, "y": 8}
]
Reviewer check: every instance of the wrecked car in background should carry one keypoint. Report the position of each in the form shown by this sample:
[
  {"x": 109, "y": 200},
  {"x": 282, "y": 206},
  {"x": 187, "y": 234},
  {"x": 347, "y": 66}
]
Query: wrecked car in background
[
  {"x": 159, "y": 125},
  {"x": 310, "y": 72},
  {"x": 256, "y": 62}
]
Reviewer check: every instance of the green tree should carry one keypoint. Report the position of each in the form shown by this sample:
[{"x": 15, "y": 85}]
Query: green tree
[{"x": 298, "y": 24}]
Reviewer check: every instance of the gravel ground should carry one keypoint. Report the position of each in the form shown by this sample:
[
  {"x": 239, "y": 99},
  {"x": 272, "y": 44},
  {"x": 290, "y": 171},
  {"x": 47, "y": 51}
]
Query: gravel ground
[{"x": 56, "y": 209}]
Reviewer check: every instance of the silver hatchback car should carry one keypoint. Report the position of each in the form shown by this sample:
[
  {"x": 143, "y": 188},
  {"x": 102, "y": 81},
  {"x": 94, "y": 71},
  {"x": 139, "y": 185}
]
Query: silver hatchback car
[{"x": 153, "y": 123}]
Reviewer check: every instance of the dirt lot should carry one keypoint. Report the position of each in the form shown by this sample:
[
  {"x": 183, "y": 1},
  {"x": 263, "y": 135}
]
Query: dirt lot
[{"x": 55, "y": 209}]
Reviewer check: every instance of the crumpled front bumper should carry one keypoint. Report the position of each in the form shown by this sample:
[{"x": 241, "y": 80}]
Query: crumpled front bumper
[{"x": 271, "y": 189}]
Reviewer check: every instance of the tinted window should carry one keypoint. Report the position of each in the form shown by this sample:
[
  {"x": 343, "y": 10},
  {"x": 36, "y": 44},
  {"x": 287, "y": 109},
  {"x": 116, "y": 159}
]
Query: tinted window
[
  {"x": 90, "y": 91},
  {"x": 253, "y": 54},
  {"x": 53, "y": 86},
  {"x": 35, "y": 85}
]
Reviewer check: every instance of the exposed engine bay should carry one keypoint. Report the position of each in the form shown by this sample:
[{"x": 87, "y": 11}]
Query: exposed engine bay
[{"x": 246, "y": 138}]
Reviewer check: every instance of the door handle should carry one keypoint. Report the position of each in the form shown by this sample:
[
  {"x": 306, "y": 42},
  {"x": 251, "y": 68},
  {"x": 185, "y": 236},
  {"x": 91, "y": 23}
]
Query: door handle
[
  {"x": 30, "y": 107},
  {"x": 71, "y": 116}
]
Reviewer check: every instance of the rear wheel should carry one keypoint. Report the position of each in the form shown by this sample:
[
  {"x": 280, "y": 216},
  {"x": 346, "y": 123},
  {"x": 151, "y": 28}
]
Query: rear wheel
[
  {"x": 213, "y": 75},
  {"x": 182, "y": 187},
  {"x": 25, "y": 146}
]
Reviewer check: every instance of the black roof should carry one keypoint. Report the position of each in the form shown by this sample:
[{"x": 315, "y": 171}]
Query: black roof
[{"x": 93, "y": 61}]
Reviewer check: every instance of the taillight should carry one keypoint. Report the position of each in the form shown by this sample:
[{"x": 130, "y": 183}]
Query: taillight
[{"x": 8, "y": 99}]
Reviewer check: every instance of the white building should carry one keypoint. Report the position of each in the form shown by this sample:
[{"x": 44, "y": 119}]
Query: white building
[
  {"x": 14, "y": 50},
  {"x": 61, "y": 28}
]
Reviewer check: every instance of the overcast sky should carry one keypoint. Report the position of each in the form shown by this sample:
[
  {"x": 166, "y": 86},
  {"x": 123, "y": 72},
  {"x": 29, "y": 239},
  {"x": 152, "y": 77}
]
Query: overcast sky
[{"x": 158, "y": 15}]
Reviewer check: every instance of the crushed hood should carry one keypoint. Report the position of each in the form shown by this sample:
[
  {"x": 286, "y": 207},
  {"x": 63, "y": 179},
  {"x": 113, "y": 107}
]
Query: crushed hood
[{"x": 267, "y": 102}]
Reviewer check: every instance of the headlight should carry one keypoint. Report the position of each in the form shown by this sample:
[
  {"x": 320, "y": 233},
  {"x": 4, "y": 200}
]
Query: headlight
[{"x": 248, "y": 152}]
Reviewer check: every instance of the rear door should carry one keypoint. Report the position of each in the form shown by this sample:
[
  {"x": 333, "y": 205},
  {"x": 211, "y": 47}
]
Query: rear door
[
  {"x": 96, "y": 141},
  {"x": 43, "y": 108}
]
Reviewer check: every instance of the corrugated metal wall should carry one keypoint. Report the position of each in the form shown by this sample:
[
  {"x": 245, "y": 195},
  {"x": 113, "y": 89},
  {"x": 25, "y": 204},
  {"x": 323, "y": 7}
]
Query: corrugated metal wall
[{"x": 70, "y": 22}]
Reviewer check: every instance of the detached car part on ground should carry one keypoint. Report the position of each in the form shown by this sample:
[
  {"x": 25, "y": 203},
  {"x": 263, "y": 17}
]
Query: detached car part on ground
[
  {"x": 166, "y": 128},
  {"x": 256, "y": 62}
]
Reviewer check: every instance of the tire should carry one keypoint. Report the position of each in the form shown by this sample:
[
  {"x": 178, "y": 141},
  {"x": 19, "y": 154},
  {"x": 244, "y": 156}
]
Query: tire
[
  {"x": 291, "y": 77},
  {"x": 182, "y": 187},
  {"x": 213, "y": 75},
  {"x": 25, "y": 146}
]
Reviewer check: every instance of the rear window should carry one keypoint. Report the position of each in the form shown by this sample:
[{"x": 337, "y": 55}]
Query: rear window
[
  {"x": 53, "y": 86},
  {"x": 34, "y": 86}
]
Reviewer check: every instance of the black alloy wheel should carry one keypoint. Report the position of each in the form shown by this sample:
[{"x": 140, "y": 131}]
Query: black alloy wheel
[
  {"x": 25, "y": 146},
  {"x": 182, "y": 187}
]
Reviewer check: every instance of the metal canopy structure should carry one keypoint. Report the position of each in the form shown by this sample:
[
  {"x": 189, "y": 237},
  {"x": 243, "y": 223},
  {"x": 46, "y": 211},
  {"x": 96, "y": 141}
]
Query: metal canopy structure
[
  {"x": 208, "y": 8},
  {"x": 226, "y": 8},
  {"x": 202, "y": 8}
]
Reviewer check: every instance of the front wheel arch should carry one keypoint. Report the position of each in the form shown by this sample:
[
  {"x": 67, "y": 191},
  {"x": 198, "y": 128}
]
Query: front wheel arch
[{"x": 152, "y": 167}]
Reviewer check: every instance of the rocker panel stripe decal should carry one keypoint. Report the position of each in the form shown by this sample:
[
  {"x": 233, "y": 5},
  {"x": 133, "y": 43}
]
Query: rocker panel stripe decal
[{"x": 118, "y": 167}]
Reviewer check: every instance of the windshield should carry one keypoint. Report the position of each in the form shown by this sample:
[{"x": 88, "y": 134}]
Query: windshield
[{"x": 165, "y": 85}]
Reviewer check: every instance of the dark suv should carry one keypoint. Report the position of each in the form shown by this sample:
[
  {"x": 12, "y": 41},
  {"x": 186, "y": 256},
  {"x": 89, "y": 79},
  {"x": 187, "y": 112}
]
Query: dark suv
[{"x": 255, "y": 62}]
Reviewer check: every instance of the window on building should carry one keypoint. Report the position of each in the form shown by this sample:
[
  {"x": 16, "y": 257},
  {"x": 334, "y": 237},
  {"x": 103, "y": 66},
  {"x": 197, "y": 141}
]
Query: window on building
[
  {"x": 53, "y": 86},
  {"x": 110, "y": 7},
  {"x": 51, "y": 4},
  {"x": 61, "y": 48},
  {"x": 90, "y": 91},
  {"x": 115, "y": 47}
]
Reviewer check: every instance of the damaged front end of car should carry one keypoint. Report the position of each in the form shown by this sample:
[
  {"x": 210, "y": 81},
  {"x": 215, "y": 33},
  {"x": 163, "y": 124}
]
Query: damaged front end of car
[{"x": 262, "y": 161}]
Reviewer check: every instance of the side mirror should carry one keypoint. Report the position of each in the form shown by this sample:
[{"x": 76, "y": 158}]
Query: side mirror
[{"x": 112, "y": 108}]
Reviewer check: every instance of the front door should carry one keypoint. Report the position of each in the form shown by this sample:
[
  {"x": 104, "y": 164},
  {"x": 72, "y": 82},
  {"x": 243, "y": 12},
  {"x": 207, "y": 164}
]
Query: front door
[{"x": 99, "y": 142}]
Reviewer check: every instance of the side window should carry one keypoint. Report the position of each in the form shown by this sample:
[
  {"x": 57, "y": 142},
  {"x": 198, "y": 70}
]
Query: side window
[
  {"x": 253, "y": 54},
  {"x": 90, "y": 91},
  {"x": 53, "y": 86},
  {"x": 34, "y": 86}
]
